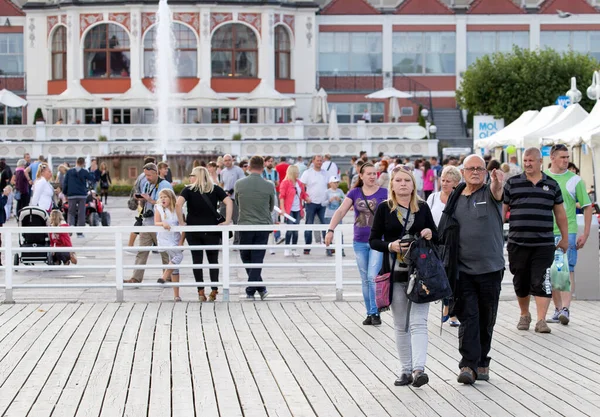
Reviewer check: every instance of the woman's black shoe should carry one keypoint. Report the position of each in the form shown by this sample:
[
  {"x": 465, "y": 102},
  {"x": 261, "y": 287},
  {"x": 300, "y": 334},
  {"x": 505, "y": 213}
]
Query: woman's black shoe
[
  {"x": 420, "y": 379},
  {"x": 405, "y": 379},
  {"x": 368, "y": 321},
  {"x": 375, "y": 320}
]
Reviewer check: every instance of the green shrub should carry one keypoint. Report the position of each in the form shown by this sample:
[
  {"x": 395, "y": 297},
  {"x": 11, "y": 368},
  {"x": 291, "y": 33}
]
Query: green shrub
[
  {"x": 38, "y": 116},
  {"x": 178, "y": 188},
  {"x": 344, "y": 187},
  {"x": 120, "y": 189},
  {"x": 237, "y": 136}
]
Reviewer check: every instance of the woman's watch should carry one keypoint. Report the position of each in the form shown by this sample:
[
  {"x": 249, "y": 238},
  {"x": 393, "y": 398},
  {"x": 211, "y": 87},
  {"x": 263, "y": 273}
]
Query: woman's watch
[{"x": 330, "y": 230}]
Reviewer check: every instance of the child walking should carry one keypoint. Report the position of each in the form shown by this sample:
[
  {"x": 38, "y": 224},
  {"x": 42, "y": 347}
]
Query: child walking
[
  {"x": 61, "y": 240},
  {"x": 165, "y": 216},
  {"x": 334, "y": 201}
]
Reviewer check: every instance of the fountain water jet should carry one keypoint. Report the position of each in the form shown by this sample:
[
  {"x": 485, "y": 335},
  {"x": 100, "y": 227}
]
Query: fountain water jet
[{"x": 165, "y": 78}]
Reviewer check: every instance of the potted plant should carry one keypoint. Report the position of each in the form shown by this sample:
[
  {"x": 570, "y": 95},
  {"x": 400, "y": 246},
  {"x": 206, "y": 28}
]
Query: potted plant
[
  {"x": 102, "y": 138},
  {"x": 39, "y": 116},
  {"x": 236, "y": 136}
]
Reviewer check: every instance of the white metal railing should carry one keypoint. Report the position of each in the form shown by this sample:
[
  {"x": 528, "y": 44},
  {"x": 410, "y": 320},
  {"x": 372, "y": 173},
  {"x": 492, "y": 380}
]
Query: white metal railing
[{"x": 9, "y": 249}]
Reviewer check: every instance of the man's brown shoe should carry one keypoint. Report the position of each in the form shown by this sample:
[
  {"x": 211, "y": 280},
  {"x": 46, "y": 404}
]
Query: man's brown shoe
[
  {"x": 131, "y": 281},
  {"x": 542, "y": 327},
  {"x": 483, "y": 374},
  {"x": 524, "y": 322},
  {"x": 466, "y": 376}
]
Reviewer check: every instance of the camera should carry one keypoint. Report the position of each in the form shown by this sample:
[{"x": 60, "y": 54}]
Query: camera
[{"x": 148, "y": 213}]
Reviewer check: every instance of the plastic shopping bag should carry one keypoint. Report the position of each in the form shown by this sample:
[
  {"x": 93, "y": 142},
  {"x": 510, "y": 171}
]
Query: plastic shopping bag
[{"x": 559, "y": 272}]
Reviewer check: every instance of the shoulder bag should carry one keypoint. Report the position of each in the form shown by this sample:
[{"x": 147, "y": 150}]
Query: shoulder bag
[
  {"x": 427, "y": 277},
  {"x": 216, "y": 214},
  {"x": 367, "y": 203}
]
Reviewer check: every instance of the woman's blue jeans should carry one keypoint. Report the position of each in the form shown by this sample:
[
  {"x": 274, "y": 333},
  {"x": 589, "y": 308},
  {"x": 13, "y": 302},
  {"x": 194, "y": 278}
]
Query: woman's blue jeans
[
  {"x": 292, "y": 236},
  {"x": 369, "y": 263}
]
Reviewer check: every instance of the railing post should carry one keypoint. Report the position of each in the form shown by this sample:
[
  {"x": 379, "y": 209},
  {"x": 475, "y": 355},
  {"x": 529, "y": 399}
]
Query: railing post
[
  {"x": 119, "y": 266},
  {"x": 8, "y": 268},
  {"x": 225, "y": 239},
  {"x": 339, "y": 279}
]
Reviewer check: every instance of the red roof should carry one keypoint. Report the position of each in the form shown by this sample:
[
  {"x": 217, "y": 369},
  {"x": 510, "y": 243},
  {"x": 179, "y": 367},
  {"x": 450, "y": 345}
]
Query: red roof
[
  {"x": 8, "y": 8},
  {"x": 571, "y": 6},
  {"x": 494, "y": 7},
  {"x": 346, "y": 7},
  {"x": 423, "y": 7}
]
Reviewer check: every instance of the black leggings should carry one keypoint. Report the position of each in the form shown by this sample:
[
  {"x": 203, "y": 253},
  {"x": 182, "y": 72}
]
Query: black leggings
[
  {"x": 203, "y": 238},
  {"x": 23, "y": 202},
  {"x": 104, "y": 193}
]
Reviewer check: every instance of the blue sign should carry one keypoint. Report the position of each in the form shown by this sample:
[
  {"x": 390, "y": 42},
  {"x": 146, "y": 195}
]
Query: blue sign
[
  {"x": 564, "y": 101},
  {"x": 546, "y": 150}
]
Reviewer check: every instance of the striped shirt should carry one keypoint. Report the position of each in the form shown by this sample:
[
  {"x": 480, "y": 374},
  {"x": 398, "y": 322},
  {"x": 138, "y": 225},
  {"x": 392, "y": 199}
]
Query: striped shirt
[{"x": 531, "y": 210}]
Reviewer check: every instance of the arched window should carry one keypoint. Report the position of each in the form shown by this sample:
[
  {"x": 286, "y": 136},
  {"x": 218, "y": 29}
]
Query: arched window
[
  {"x": 234, "y": 52},
  {"x": 282, "y": 53},
  {"x": 106, "y": 52},
  {"x": 186, "y": 56},
  {"x": 59, "y": 54}
]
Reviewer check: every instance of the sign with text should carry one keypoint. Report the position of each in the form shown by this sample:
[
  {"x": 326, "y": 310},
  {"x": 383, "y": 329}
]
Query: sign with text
[
  {"x": 486, "y": 126},
  {"x": 564, "y": 101}
]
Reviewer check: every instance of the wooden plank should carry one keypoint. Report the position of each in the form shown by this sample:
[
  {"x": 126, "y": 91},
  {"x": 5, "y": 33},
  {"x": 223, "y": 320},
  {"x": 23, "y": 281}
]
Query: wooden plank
[
  {"x": 35, "y": 380},
  {"x": 76, "y": 384},
  {"x": 40, "y": 341},
  {"x": 337, "y": 393},
  {"x": 182, "y": 396},
  {"x": 228, "y": 370},
  {"x": 53, "y": 385},
  {"x": 160, "y": 384},
  {"x": 95, "y": 391},
  {"x": 9, "y": 312},
  {"x": 116, "y": 392},
  {"x": 286, "y": 385},
  {"x": 139, "y": 383},
  {"x": 205, "y": 400},
  {"x": 18, "y": 325},
  {"x": 312, "y": 390}
]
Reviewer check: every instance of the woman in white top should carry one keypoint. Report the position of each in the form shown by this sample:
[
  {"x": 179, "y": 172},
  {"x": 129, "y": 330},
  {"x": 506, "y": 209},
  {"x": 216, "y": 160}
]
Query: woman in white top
[
  {"x": 418, "y": 173},
  {"x": 43, "y": 191},
  {"x": 437, "y": 202}
]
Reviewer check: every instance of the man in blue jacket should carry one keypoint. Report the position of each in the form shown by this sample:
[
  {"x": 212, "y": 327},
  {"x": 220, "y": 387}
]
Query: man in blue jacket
[{"x": 76, "y": 192}]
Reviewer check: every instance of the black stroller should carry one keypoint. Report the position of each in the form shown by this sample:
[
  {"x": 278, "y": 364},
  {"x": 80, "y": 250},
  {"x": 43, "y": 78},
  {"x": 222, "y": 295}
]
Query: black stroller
[{"x": 33, "y": 216}]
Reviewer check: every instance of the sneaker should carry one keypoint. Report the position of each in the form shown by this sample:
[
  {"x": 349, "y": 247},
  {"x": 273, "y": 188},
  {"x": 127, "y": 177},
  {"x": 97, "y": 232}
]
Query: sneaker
[
  {"x": 368, "y": 321},
  {"x": 542, "y": 327},
  {"x": 272, "y": 251},
  {"x": 329, "y": 252},
  {"x": 160, "y": 281},
  {"x": 286, "y": 253},
  {"x": 405, "y": 379},
  {"x": 563, "y": 316},
  {"x": 376, "y": 320},
  {"x": 177, "y": 299},
  {"x": 250, "y": 297},
  {"x": 483, "y": 374},
  {"x": 524, "y": 322},
  {"x": 80, "y": 235},
  {"x": 263, "y": 294},
  {"x": 554, "y": 318},
  {"x": 420, "y": 378},
  {"x": 295, "y": 254},
  {"x": 466, "y": 376},
  {"x": 454, "y": 323}
]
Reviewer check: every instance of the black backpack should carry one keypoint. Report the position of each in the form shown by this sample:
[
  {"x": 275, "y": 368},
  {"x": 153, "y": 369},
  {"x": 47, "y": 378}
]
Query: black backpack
[{"x": 427, "y": 280}]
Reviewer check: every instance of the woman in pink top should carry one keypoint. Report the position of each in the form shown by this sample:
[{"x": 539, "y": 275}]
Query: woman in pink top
[
  {"x": 292, "y": 194},
  {"x": 428, "y": 179}
]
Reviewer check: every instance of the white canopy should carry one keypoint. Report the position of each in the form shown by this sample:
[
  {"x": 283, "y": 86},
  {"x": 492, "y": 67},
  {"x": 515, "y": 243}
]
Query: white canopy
[
  {"x": 202, "y": 95},
  {"x": 138, "y": 96},
  {"x": 319, "y": 108},
  {"x": 263, "y": 96},
  {"x": 10, "y": 99},
  {"x": 547, "y": 115},
  {"x": 388, "y": 92},
  {"x": 523, "y": 120},
  {"x": 572, "y": 115},
  {"x": 333, "y": 131},
  {"x": 574, "y": 135},
  {"x": 76, "y": 97}
]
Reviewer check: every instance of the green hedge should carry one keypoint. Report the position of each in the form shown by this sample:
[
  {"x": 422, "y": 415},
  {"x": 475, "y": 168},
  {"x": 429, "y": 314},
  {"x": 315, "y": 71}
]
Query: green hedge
[
  {"x": 125, "y": 190},
  {"x": 344, "y": 187}
]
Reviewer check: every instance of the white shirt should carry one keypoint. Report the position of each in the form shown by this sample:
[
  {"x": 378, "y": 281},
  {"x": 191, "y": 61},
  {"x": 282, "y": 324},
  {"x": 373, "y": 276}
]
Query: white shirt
[
  {"x": 331, "y": 168},
  {"x": 43, "y": 194},
  {"x": 418, "y": 178},
  {"x": 316, "y": 185},
  {"x": 167, "y": 238},
  {"x": 296, "y": 202},
  {"x": 367, "y": 117},
  {"x": 436, "y": 206}
]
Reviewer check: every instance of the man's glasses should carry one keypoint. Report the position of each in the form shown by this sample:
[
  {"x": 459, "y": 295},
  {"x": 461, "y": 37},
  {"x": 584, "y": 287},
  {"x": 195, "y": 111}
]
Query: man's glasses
[
  {"x": 558, "y": 147},
  {"x": 475, "y": 169},
  {"x": 191, "y": 175}
]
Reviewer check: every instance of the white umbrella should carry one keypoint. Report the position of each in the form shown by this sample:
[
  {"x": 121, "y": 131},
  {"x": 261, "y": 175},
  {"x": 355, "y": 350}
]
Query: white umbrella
[
  {"x": 88, "y": 161},
  {"x": 334, "y": 130},
  {"x": 10, "y": 99},
  {"x": 389, "y": 92},
  {"x": 394, "y": 110},
  {"x": 49, "y": 161},
  {"x": 319, "y": 108}
]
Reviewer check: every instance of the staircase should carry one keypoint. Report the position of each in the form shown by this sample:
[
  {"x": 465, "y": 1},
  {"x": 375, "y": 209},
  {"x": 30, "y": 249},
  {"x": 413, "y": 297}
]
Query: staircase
[{"x": 449, "y": 124}]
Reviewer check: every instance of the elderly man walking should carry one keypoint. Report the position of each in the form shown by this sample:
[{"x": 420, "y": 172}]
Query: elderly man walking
[
  {"x": 532, "y": 198},
  {"x": 476, "y": 207},
  {"x": 149, "y": 197}
]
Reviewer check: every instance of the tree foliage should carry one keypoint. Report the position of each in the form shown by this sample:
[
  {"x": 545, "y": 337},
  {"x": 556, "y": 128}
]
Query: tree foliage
[{"x": 507, "y": 84}]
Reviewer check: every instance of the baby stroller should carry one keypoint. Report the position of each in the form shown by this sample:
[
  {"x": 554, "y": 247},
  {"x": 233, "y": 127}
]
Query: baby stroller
[{"x": 32, "y": 216}]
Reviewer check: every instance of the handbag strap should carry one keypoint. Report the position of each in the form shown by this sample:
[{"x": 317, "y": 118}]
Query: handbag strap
[
  {"x": 366, "y": 201},
  {"x": 208, "y": 203}
]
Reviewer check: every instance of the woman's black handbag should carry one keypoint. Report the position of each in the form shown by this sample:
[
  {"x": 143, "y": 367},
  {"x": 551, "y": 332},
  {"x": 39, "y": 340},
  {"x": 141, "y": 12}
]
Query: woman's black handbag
[
  {"x": 218, "y": 217},
  {"x": 427, "y": 280}
]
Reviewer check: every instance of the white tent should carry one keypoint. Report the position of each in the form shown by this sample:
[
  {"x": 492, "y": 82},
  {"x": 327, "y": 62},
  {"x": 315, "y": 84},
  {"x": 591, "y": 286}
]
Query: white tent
[
  {"x": 10, "y": 99},
  {"x": 547, "y": 115},
  {"x": 264, "y": 96},
  {"x": 333, "y": 131},
  {"x": 575, "y": 134},
  {"x": 138, "y": 96},
  {"x": 572, "y": 115},
  {"x": 202, "y": 95},
  {"x": 389, "y": 92},
  {"x": 319, "y": 108},
  {"x": 523, "y": 120},
  {"x": 76, "y": 97}
]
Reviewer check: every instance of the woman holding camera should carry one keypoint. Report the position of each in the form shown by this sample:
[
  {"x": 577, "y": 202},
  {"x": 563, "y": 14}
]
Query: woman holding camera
[
  {"x": 202, "y": 197},
  {"x": 399, "y": 221}
]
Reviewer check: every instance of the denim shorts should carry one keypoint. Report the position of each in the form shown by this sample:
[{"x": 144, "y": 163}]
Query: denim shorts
[{"x": 572, "y": 252}]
